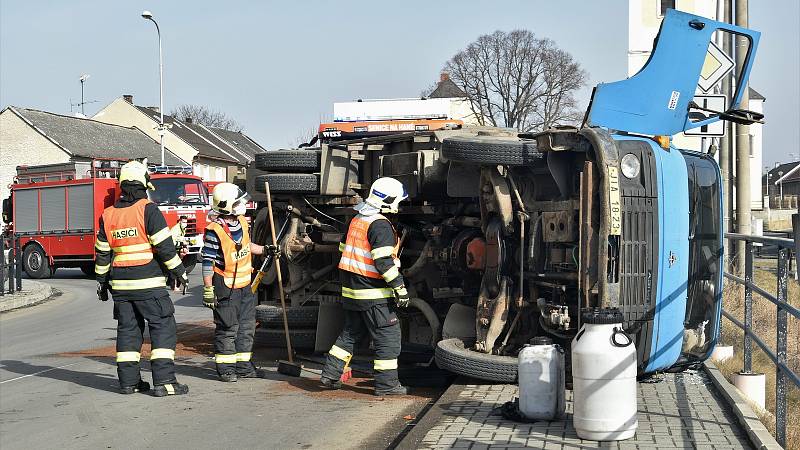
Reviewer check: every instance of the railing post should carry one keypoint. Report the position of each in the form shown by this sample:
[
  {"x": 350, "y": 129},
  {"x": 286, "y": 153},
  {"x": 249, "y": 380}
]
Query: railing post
[
  {"x": 780, "y": 376},
  {"x": 18, "y": 255},
  {"x": 3, "y": 266},
  {"x": 748, "y": 307},
  {"x": 12, "y": 256}
]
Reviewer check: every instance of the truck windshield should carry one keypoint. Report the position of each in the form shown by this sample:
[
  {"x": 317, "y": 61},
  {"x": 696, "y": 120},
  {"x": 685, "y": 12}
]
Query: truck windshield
[
  {"x": 704, "y": 298},
  {"x": 178, "y": 191}
]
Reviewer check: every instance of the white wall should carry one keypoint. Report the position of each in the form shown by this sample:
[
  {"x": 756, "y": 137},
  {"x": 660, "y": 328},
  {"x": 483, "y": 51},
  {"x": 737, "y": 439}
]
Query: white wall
[
  {"x": 756, "y": 159},
  {"x": 22, "y": 145}
]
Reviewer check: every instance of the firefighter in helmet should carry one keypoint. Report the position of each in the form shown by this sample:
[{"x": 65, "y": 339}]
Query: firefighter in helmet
[
  {"x": 133, "y": 243},
  {"x": 227, "y": 269},
  {"x": 371, "y": 286}
]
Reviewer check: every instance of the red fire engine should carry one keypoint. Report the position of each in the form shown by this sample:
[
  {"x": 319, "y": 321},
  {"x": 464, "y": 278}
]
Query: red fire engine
[{"x": 56, "y": 209}]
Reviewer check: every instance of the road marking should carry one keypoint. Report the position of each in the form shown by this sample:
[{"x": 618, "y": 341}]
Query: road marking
[{"x": 37, "y": 373}]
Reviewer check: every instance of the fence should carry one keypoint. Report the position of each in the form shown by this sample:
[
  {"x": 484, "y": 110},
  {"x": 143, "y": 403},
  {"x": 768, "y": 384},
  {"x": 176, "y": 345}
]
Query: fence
[
  {"x": 10, "y": 265},
  {"x": 779, "y": 358}
]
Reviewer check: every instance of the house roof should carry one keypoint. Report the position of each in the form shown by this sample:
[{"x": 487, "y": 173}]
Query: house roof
[
  {"x": 92, "y": 139},
  {"x": 205, "y": 142},
  {"x": 240, "y": 141},
  {"x": 447, "y": 89},
  {"x": 755, "y": 95},
  {"x": 785, "y": 169}
]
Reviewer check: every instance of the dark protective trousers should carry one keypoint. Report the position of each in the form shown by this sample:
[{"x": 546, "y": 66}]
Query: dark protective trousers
[
  {"x": 380, "y": 321},
  {"x": 158, "y": 311},
  {"x": 235, "y": 320}
]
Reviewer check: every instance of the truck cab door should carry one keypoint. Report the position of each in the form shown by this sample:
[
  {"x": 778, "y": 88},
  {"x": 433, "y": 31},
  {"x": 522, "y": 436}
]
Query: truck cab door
[{"x": 658, "y": 99}]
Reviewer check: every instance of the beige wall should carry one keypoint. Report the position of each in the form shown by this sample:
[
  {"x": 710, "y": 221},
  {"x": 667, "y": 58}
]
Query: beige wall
[
  {"x": 22, "y": 145},
  {"x": 120, "y": 112}
]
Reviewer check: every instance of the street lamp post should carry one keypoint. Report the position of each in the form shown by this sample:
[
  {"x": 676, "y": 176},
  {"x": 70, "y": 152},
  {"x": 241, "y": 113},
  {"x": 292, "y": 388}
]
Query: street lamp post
[{"x": 161, "y": 129}]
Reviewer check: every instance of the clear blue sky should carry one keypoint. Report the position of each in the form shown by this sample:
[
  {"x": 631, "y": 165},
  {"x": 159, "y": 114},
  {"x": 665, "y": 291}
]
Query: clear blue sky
[{"x": 277, "y": 68}]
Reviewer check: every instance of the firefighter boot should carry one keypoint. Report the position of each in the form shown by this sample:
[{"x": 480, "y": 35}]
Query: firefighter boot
[
  {"x": 163, "y": 390},
  {"x": 141, "y": 386},
  {"x": 249, "y": 371},
  {"x": 228, "y": 377},
  {"x": 329, "y": 383},
  {"x": 396, "y": 390}
]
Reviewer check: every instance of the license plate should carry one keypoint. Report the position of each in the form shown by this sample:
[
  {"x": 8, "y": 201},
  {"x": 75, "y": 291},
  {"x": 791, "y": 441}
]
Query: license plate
[{"x": 614, "y": 204}]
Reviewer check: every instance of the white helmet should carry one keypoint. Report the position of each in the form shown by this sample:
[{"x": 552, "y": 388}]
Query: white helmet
[
  {"x": 385, "y": 194},
  {"x": 227, "y": 199},
  {"x": 136, "y": 172}
]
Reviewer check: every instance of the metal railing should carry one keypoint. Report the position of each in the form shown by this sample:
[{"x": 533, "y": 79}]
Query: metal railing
[
  {"x": 784, "y": 308},
  {"x": 10, "y": 265}
]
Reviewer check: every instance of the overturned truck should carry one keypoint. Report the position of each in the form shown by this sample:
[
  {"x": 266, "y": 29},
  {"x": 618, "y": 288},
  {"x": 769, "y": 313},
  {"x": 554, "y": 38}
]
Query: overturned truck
[{"x": 508, "y": 236}]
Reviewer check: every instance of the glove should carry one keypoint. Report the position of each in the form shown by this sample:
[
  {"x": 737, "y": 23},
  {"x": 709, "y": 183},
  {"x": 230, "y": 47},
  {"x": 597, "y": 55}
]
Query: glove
[
  {"x": 273, "y": 250},
  {"x": 184, "y": 278},
  {"x": 102, "y": 292},
  {"x": 209, "y": 300},
  {"x": 401, "y": 297}
]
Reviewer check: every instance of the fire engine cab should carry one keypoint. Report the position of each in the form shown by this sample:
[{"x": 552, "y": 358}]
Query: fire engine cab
[{"x": 55, "y": 209}]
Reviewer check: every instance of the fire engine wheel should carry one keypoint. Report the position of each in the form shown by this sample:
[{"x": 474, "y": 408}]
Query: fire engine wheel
[
  {"x": 490, "y": 150},
  {"x": 35, "y": 262},
  {"x": 299, "y": 160},
  {"x": 271, "y": 316},
  {"x": 273, "y": 337},
  {"x": 289, "y": 183},
  {"x": 455, "y": 356}
]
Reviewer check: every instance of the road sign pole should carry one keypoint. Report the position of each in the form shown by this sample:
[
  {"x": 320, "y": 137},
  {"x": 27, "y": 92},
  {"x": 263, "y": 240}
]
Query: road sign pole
[{"x": 742, "y": 139}]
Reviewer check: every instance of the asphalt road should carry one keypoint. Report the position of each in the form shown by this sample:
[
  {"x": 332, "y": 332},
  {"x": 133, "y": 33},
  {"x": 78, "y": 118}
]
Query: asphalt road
[{"x": 58, "y": 388}]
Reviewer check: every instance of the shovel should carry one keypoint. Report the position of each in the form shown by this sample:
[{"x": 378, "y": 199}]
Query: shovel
[{"x": 289, "y": 367}]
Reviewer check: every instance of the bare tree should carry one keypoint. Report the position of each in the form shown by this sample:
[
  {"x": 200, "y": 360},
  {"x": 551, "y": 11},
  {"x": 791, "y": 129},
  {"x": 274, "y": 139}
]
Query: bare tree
[
  {"x": 205, "y": 116},
  {"x": 517, "y": 80},
  {"x": 304, "y": 137}
]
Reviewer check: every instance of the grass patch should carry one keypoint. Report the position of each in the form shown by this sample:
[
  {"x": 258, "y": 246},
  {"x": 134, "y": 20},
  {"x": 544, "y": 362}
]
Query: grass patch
[{"x": 764, "y": 326}]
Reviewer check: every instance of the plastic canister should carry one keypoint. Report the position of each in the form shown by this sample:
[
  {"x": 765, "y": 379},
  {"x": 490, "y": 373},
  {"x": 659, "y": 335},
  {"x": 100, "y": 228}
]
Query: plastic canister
[
  {"x": 604, "y": 377},
  {"x": 541, "y": 380}
]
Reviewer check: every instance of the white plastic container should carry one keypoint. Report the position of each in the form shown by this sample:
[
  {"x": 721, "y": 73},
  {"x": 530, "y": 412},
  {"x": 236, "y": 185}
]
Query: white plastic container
[
  {"x": 604, "y": 378},
  {"x": 541, "y": 380}
]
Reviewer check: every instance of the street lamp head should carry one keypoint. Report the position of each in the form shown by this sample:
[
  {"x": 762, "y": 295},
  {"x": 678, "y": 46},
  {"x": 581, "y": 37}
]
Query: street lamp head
[{"x": 147, "y": 14}]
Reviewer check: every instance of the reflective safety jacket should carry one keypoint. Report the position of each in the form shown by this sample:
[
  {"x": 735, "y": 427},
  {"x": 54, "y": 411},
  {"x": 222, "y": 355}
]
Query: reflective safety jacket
[
  {"x": 133, "y": 243},
  {"x": 369, "y": 266},
  {"x": 238, "y": 268}
]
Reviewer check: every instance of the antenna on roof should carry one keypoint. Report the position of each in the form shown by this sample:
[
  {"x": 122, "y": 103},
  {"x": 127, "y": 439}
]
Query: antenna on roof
[{"x": 82, "y": 79}]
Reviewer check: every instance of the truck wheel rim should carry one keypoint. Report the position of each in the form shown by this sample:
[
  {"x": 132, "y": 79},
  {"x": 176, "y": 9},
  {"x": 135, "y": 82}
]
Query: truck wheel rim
[{"x": 34, "y": 261}]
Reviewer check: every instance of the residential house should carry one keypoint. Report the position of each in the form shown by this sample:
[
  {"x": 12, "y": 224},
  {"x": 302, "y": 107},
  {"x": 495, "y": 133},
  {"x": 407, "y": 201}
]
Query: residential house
[
  {"x": 32, "y": 137},
  {"x": 215, "y": 154},
  {"x": 459, "y": 103},
  {"x": 782, "y": 185}
]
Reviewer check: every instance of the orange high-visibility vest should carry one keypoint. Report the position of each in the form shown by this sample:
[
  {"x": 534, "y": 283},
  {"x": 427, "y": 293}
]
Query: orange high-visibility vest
[
  {"x": 357, "y": 251},
  {"x": 127, "y": 235},
  {"x": 238, "y": 268}
]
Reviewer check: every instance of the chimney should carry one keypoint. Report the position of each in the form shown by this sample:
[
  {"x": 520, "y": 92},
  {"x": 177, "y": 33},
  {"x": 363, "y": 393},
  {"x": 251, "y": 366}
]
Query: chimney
[
  {"x": 188, "y": 120},
  {"x": 128, "y": 98},
  {"x": 444, "y": 76}
]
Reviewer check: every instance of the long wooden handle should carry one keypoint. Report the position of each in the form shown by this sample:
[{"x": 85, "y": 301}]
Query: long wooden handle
[{"x": 278, "y": 272}]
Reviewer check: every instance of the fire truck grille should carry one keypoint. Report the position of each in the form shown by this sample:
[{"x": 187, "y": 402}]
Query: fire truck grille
[{"x": 191, "y": 227}]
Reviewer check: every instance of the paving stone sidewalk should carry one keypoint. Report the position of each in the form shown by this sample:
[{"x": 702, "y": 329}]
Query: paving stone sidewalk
[
  {"x": 32, "y": 292},
  {"x": 681, "y": 411}
]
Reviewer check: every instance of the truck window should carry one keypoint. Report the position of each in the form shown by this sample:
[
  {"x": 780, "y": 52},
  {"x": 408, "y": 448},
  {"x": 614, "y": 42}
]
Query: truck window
[
  {"x": 705, "y": 256},
  {"x": 178, "y": 191}
]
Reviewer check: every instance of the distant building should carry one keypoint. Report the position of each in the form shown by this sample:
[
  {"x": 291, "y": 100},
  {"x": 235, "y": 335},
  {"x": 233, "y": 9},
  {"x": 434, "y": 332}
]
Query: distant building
[
  {"x": 215, "y": 154},
  {"x": 644, "y": 21},
  {"x": 459, "y": 103},
  {"x": 782, "y": 179}
]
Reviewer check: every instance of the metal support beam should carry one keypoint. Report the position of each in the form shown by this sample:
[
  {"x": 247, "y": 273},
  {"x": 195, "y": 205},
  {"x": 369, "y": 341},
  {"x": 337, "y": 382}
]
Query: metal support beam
[
  {"x": 742, "y": 141},
  {"x": 726, "y": 143}
]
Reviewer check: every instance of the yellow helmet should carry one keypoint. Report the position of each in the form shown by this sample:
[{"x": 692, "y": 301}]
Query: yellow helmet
[
  {"x": 136, "y": 172},
  {"x": 228, "y": 199}
]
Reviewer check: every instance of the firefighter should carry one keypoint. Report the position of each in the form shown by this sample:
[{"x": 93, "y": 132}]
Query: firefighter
[
  {"x": 370, "y": 274},
  {"x": 227, "y": 270},
  {"x": 133, "y": 242},
  {"x": 178, "y": 234}
]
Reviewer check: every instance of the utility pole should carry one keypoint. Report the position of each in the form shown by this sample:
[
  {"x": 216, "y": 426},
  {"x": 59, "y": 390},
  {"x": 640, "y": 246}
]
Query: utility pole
[
  {"x": 725, "y": 144},
  {"x": 742, "y": 142}
]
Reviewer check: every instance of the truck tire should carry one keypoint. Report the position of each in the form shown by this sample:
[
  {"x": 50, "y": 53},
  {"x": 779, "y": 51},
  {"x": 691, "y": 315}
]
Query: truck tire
[
  {"x": 453, "y": 355},
  {"x": 273, "y": 337},
  {"x": 271, "y": 316},
  {"x": 299, "y": 160},
  {"x": 490, "y": 150},
  {"x": 35, "y": 262},
  {"x": 289, "y": 183}
]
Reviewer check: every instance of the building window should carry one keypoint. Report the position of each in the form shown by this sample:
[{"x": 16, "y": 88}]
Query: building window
[{"x": 663, "y": 5}]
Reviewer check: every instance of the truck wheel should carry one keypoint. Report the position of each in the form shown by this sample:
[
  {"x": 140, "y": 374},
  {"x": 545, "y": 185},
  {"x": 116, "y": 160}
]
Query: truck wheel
[
  {"x": 289, "y": 183},
  {"x": 88, "y": 270},
  {"x": 273, "y": 337},
  {"x": 490, "y": 150},
  {"x": 271, "y": 316},
  {"x": 453, "y": 355},
  {"x": 299, "y": 160},
  {"x": 35, "y": 262}
]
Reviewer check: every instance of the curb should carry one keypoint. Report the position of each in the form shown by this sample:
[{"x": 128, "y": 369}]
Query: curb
[
  {"x": 756, "y": 431},
  {"x": 412, "y": 439},
  {"x": 34, "y": 292}
]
